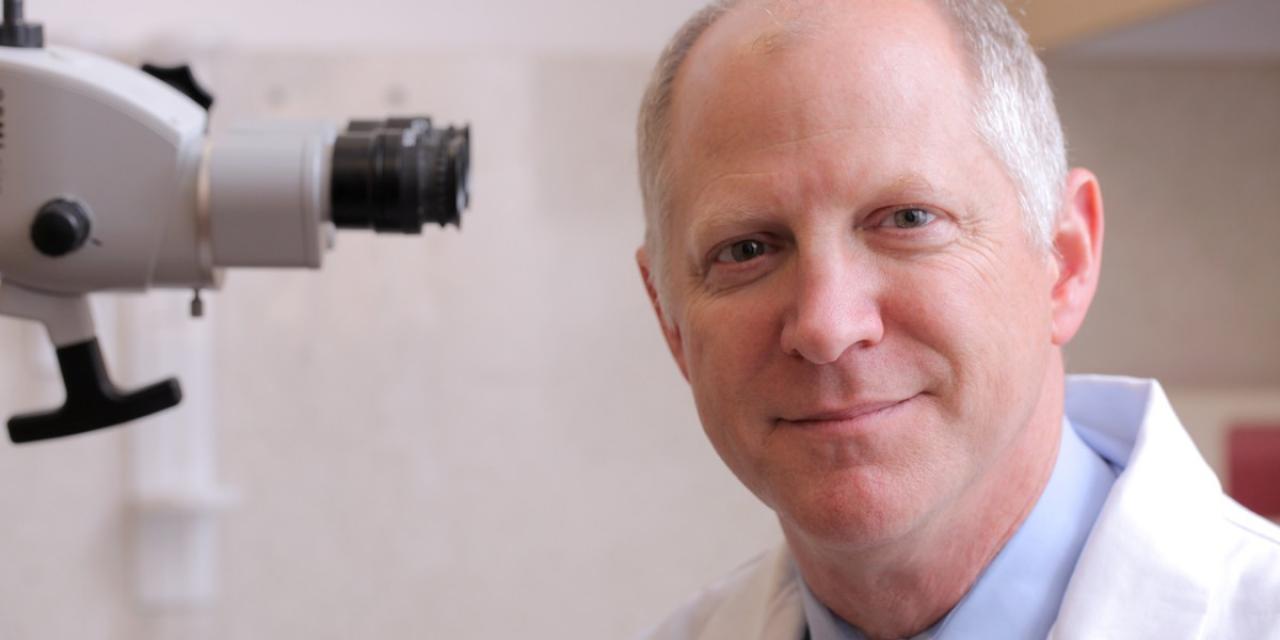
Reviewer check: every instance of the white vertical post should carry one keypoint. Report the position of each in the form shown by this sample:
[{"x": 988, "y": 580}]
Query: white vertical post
[{"x": 175, "y": 494}]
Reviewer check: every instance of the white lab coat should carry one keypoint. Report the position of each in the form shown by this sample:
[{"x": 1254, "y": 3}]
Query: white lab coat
[{"x": 1170, "y": 556}]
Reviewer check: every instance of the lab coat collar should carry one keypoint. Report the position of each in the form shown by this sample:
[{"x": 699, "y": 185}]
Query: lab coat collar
[
  {"x": 767, "y": 607},
  {"x": 1152, "y": 543},
  {"x": 1147, "y": 570}
]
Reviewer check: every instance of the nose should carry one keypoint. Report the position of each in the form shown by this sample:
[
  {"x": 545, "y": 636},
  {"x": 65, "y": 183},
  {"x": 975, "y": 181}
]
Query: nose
[{"x": 834, "y": 309}]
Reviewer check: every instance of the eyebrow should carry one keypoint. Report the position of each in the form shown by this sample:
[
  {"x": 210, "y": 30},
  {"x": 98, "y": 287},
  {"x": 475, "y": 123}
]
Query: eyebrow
[
  {"x": 728, "y": 217},
  {"x": 913, "y": 183}
]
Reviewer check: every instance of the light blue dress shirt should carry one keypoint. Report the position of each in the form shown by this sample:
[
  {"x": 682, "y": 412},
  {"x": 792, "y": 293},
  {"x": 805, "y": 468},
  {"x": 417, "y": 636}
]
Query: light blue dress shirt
[{"x": 1019, "y": 593}]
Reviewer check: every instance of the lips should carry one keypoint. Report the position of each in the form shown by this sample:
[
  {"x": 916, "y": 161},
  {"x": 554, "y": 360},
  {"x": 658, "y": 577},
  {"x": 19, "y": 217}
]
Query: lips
[{"x": 848, "y": 413}]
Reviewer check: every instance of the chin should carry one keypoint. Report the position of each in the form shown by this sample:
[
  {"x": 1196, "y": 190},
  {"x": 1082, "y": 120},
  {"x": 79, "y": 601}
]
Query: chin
[{"x": 853, "y": 509}]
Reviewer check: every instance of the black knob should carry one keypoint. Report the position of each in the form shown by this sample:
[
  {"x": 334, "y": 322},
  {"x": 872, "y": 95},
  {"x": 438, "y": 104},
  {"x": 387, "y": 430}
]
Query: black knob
[
  {"x": 181, "y": 78},
  {"x": 61, "y": 227},
  {"x": 16, "y": 32}
]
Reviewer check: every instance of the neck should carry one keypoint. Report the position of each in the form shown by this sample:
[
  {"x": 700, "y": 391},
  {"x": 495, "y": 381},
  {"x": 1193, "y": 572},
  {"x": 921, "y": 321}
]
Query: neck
[{"x": 905, "y": 586}]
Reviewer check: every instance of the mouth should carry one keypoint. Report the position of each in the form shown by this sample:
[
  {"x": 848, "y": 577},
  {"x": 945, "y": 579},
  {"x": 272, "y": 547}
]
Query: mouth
[{"x": 849, "y": 416}]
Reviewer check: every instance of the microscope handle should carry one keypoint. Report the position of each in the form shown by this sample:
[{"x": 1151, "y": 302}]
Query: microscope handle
[{"x": 93, "y": 402}]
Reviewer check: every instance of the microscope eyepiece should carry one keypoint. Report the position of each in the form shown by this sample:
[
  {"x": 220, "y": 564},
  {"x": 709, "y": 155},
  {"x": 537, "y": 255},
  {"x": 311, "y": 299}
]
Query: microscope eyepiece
[{"x": 396, "y": 175}]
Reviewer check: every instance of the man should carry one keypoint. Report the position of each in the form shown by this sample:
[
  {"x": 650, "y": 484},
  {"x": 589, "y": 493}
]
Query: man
[{"x": 866, "y": 254}]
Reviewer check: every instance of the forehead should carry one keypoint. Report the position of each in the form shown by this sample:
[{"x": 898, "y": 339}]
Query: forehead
[{"x": 770, "y": 74}]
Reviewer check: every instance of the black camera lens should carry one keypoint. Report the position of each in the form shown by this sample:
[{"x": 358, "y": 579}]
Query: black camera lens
[{"x": 396, "y": 175}]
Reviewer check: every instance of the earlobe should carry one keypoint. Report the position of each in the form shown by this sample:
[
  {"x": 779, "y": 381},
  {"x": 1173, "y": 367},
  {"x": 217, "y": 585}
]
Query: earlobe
[
  {"x": 1077, "y": 244},
  {"x": 670, "y": 331}
]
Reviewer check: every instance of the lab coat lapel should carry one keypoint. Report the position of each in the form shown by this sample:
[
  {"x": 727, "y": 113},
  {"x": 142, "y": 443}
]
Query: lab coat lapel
[
  {"x": 767, "y": 608},
  {"x": 1152, "y": 559}
]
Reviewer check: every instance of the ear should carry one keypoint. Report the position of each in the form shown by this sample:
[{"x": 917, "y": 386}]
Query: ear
[
  {"x": 670, "y": 330},
  {"x": 1077, "y": 243}
]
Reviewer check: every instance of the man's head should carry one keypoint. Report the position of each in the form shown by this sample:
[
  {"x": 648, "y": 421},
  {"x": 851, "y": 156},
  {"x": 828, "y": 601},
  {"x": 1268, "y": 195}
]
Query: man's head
[
  {"x": 845, "y": 272},
  {"x": 1014, "y": 110}
]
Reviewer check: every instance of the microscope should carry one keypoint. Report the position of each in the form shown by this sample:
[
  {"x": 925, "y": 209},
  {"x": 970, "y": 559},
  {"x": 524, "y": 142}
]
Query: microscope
[{"x": 110, "y": 182}]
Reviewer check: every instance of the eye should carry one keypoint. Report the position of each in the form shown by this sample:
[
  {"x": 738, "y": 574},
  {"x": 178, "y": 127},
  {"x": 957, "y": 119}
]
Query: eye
[
  {"x": 910, "y": 218},
  {"x": 742, "y": 251}
]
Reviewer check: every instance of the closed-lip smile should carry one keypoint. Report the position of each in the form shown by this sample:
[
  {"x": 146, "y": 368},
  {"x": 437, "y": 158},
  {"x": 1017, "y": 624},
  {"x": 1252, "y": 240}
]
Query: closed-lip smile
[{"x": 846, "y": 414}]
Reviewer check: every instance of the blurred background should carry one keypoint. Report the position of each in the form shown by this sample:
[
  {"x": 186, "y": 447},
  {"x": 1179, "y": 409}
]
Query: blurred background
[{"x": 480, "y": 434}]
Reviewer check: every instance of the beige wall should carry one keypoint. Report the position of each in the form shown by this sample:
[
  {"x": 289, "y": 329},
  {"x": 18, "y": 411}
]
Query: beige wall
[
  {"x": 1052, "y": 23},
  {"x": 1189, "y": 157},
  {"x": 479, "y": 434}
]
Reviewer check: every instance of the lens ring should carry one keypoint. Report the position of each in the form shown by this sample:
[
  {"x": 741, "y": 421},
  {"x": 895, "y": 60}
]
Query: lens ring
[{"x": 400, "y": 174}]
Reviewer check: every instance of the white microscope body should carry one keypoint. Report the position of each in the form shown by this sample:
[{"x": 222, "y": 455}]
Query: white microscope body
[{"x": 108, "y": 182}]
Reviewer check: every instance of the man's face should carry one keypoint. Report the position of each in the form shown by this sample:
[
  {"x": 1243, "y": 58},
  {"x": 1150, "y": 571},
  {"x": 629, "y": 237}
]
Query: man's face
[{"x": 864, "y": 321}]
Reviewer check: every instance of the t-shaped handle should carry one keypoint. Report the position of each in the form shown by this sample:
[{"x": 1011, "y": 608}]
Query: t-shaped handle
[{"x": 93, "y": 401}]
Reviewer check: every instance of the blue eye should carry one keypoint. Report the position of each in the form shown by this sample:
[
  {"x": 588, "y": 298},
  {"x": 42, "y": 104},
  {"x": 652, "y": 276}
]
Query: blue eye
[
  {"x": 742, "y": 251},
  {"x": 911, "y": 218}
]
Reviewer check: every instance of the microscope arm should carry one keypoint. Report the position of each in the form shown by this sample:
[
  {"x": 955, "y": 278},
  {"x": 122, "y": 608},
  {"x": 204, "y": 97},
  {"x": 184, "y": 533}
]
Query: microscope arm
[{"x": 92, "y": 400}]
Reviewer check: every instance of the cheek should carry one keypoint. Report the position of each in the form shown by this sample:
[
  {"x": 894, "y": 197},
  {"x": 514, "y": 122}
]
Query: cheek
[
  {"x": 728, "y": 345},
  {"x": 988, "y": 330},
  {"x": 729, "y": 340},
  {"x": 981, "y": 302}
]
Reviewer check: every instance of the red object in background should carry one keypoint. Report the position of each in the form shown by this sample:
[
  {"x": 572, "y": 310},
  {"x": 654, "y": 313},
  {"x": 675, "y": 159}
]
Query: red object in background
[{"x": 1253, "y": 467}]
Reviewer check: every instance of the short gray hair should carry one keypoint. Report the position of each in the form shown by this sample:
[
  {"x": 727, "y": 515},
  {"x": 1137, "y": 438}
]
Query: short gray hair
[{"x": 1015, "y": 116}]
